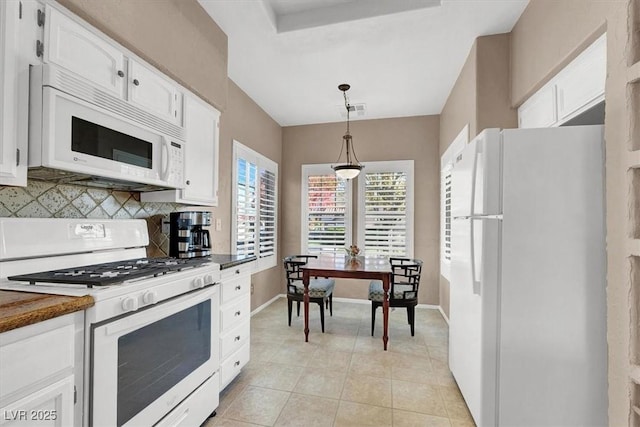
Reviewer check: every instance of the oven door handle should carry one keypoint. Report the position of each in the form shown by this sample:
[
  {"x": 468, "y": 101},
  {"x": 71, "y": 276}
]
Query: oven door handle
[{"x": 159, "y": 311}]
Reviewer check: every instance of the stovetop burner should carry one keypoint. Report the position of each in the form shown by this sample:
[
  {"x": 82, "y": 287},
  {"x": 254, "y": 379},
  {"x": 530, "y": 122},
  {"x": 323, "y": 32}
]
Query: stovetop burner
[{"x": 112, "y": 272}]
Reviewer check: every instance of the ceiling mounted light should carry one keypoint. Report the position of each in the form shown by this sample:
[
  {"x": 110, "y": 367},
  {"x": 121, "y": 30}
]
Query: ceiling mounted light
[{"x": 349, "y": 169}]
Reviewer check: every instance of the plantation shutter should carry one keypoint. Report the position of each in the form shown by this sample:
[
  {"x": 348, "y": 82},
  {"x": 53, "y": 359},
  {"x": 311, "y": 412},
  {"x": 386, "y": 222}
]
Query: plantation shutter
[
  {"x": 385, "y": 213},
  {"x": 328, "y": 217},
  {"x": 246, "y": 207},
  {"x": 447, "y": 215},
  {"x": 267, "y": 213}
]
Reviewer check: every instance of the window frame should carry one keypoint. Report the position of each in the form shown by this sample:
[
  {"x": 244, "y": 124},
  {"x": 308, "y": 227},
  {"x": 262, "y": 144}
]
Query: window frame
[
  {"x": 323, "y": 169},
  {"x": 242, "y": 151},
  {"x": 446, "y": 165}
]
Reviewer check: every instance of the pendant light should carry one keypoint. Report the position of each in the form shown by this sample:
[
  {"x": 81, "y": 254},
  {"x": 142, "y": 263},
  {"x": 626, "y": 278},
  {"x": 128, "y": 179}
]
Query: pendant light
[{"x": 348, "y": 170}]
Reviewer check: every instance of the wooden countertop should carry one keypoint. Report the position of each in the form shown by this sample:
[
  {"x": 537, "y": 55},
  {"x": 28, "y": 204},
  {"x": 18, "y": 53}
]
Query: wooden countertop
[{"x": 19, "y": 309}]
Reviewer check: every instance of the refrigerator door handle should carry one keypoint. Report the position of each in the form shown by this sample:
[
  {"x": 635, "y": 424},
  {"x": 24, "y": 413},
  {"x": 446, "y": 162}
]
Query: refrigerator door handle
[
  {"x": 474, "y": 168},
  {"x": 472, "y": 249}
]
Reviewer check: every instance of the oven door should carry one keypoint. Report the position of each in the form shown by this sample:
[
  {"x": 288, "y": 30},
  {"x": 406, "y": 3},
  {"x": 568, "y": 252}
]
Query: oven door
[{"x": 144, "y": 364}]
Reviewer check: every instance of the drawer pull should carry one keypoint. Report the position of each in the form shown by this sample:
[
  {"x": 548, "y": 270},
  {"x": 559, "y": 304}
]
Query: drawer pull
[
  {"x": 237, "y": 363},
  {"x": 237, "y": 338},
  {"x": 238, "y": 287},
  {"x": 237, "y": 313},
  {"x": 237, "y": 271}
]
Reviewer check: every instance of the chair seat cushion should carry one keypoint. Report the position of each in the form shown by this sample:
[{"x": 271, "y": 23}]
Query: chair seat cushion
[
  {"x": 376, "y": 294},
  {"x": 317, "y": 287}
]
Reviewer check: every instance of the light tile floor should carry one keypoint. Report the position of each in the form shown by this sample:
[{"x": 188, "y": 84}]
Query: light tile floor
[{"x": 343, "y": 377}]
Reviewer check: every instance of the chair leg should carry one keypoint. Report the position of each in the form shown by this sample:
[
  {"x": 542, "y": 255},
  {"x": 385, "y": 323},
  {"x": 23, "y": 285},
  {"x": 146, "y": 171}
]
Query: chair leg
[
  {"x": 298, "y": 302},
  {"x": 290, "y": 308},
  {"x": 412, "y": 315},
  {"x": 322, "y": 315},
  {"x": 331, "y": 304},
  {"x": 373, "y": 317}
]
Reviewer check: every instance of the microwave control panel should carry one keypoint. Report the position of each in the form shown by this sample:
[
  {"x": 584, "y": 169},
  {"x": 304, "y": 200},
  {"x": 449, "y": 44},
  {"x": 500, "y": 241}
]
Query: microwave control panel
[{"x": 176, "y": 165}]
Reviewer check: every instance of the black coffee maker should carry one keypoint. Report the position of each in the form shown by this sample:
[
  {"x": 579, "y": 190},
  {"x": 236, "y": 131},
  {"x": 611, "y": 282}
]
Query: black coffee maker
[{"x": 188, "y": 238}]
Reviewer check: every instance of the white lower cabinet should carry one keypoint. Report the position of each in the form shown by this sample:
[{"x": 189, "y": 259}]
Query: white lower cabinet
[
  {"x": 41, "y": 371},
  {"x": 235, "y": 321}
]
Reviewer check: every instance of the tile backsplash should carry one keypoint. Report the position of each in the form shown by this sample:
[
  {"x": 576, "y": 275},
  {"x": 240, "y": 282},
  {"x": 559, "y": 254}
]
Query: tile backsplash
[{"x": 41, "y": 199}]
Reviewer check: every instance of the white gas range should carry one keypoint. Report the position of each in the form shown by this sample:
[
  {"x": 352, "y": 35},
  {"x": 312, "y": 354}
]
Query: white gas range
[{"x": 151, "y": 337}]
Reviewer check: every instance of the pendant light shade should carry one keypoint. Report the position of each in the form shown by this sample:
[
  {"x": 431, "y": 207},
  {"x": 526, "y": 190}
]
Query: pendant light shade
[{"x": 351, "y": 168}]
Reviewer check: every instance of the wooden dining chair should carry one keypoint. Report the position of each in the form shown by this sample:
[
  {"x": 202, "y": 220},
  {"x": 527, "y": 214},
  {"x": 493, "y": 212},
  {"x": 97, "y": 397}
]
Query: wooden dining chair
[
  {"x": 320, "y": 289},
  {"x": 403, "y": 291}
]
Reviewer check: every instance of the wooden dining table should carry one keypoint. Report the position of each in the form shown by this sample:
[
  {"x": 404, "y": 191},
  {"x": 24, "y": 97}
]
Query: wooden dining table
[{"x": 340, "y": 266}]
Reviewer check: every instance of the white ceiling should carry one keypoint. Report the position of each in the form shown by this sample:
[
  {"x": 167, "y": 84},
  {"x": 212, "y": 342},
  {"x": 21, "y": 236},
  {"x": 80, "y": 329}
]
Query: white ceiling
[{"x": 401, "y": 57}]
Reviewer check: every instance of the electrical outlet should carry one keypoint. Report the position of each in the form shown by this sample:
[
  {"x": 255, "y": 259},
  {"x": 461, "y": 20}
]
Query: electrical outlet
[
  {"x": 166, "y": 227},
  {"x": 218, "y": 224},
  {"x": 252, "y": 289}
]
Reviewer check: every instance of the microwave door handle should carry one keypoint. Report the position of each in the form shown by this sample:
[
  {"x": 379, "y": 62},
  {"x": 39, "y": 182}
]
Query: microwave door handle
[{"x": 164, "y": 159}]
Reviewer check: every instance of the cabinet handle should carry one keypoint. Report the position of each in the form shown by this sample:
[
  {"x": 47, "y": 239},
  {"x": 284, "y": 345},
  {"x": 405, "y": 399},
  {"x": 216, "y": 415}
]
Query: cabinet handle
[
  {"x": 237, "y": 271},
  {"x": 237, "y": 363},
  {"x": 136, "y": 82},
  {"x": 40, "y": 18},
  {"x": 120, "y": 73},
  {"x": 237, "y": 313},
  {"x": 188, "y": 182},
  {"x": 238, "y": 287},
  {"x": 237, "y": 338}
]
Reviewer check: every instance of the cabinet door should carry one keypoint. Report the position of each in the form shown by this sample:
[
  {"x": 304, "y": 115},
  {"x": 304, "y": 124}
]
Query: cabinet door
[
  {"x": 50, "y": 406},
  {"x": 150, "y": 91},
  {"x": 540, "y": 110},
  {"x": 201, "y": 170},
  {"x": 19, "y": 33},
  {"x": 79, "y": 50},
  {"x": 582, "y": 83}
]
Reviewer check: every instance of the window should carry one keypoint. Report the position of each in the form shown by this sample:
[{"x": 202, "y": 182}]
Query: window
[
  {"x": 384, "y": 205},
  {"x": 446, "y": 165},
  {"x": 255, "y": 201},
  {"x": 385, "y": 208},
  {"x": 326, "y": 211}
]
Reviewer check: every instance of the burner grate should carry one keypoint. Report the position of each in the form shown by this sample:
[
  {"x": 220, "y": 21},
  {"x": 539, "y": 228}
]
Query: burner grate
[{"x": 113, "y": 272}]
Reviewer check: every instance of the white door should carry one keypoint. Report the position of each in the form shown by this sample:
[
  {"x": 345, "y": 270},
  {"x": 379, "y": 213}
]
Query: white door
[
  {"x": 77, "y": 49},
  {"x": 201, "y": 170},
  {"x": 150, "y": 91}
]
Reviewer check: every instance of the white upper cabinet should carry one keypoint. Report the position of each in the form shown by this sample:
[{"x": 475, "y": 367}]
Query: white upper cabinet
[
  {"x": 540, "y": 110},
  {"x": 581, "y": 83},
  {"x": 19, "y": 38},
  {"x": 95, "y": 58},
  {"x": 201, "y": 122},
  {"x": 201, "y": 170},
  {"x": 81, "y": 51},
  {"x": 576, "y": 88},
  {"x": 150, "y": 91}
]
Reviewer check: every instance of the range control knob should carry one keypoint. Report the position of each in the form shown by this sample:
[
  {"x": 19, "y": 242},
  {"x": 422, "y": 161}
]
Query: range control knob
[
  {"x": 198, "y": 282},
  {"x": 130, "y": 304},
  {"x": 209, "y": 279},
  {"x": 150, "y": 297}
]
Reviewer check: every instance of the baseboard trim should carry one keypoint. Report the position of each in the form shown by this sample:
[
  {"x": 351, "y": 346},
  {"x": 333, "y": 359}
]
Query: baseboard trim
[
  {"x": 353, "y": 301},
  {"x": 444, "y": 316},
  {"x": 267, "y": 304}
]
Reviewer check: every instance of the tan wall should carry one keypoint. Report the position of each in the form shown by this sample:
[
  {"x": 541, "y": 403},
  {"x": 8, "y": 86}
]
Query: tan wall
[
  {"x": 386, "y": 139},
  {"x": 481, "y": 99},
  {"x": 176, "y": 36},
  {"x": 460, "y": 108},
  {"x": 548, "y": 35},
  {"x": 248, "y": 124}
]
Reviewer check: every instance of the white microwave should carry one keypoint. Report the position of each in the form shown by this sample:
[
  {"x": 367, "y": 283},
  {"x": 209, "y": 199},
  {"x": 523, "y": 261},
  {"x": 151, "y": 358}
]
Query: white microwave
[{"x": 81, "y": 134}]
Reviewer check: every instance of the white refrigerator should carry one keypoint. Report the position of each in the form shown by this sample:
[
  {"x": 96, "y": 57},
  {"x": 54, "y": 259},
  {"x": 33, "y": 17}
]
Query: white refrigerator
[{"x": 527, "y": 334}]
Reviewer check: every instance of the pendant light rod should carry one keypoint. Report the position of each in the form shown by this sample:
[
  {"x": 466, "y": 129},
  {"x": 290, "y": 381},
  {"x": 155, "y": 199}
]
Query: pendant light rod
[{"x": 350, "y": 169}]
